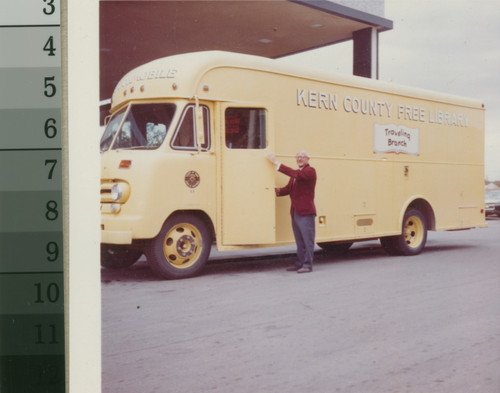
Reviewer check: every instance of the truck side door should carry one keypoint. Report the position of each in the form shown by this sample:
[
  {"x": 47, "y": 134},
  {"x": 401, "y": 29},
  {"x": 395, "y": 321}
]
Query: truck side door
[{"x": 247, "y": 178}]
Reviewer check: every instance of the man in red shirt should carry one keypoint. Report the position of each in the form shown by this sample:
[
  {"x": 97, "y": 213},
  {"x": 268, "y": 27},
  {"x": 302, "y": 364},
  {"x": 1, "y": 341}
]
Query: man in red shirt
[{"x": 303, "y": 211}]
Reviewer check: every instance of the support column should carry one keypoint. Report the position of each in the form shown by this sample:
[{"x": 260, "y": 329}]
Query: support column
[{"x": 365, "y": 53}]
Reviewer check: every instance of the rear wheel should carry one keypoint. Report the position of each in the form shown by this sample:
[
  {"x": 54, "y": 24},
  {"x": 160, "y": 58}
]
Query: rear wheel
[
  {"x": 118, "y": 257},
  {"x": 413, "y": 235},
  {"x": 181, "y": 248}
]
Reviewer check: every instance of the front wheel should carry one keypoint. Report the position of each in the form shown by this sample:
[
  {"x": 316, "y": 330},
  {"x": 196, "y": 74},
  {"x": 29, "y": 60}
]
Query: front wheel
[
  {"x": 181, "y": 248},
  {"x": 413, "y": 235}
]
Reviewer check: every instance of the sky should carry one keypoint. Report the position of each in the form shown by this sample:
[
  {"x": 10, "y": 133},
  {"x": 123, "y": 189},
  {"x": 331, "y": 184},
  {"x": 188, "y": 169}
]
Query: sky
[{"x": 449, "y": 46}]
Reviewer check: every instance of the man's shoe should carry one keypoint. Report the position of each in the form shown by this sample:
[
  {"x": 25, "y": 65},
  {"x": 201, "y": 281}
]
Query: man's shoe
[
  {"x": 305, "y": 270},
  {"x": 292, "y": 268}
]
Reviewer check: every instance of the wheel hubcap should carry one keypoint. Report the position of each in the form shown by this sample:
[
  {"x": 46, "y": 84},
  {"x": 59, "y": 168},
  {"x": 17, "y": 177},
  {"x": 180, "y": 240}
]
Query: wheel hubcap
[
  {"x": 413, "y": 232},
  {"x": 186, "y": 246},
  {"x": 182, "y": 245}
]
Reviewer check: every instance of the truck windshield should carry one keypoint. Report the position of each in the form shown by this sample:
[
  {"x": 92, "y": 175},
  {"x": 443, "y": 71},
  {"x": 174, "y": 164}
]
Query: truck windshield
[
  {"x": 109, "y": 133},
  {"x": 145, "y": 127}
]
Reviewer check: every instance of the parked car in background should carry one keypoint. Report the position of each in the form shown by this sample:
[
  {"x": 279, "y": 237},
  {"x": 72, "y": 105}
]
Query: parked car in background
[{"x": 492, "y": 202}]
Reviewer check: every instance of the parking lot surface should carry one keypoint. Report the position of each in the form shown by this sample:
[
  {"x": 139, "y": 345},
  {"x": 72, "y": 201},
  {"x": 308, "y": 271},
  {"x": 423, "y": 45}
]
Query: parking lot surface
[{"x": 364, "y": 322}]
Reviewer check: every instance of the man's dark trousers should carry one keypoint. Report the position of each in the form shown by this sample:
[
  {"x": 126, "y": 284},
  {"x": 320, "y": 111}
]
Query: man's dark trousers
[{"x": 304, "y": 232}]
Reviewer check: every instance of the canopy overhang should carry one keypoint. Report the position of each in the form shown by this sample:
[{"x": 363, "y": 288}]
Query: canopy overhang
[{"x": 135, "y": 32}]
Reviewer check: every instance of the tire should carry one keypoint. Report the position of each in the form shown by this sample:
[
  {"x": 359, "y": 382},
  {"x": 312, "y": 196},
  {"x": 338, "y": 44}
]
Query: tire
[
  {"x": 181, "y": 249},
  {"x": 335, "y": 248},
  {"x": 413, "y": 235},
  {"x": 118, "y": 257}
]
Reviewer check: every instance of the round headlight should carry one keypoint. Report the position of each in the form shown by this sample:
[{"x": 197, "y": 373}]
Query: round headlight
[{"x": 116, "y": 192}]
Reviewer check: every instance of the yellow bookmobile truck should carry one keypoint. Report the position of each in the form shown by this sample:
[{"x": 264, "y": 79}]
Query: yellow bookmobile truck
[{"x": 183, "y": 160}]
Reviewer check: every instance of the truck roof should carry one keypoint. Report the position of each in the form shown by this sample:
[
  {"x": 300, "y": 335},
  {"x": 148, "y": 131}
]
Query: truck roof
[{"x": 180, "y": 76}]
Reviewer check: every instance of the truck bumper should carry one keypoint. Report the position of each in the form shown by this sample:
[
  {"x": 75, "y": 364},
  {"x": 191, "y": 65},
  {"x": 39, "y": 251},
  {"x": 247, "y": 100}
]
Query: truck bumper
[{"x": 116, "y": 237}]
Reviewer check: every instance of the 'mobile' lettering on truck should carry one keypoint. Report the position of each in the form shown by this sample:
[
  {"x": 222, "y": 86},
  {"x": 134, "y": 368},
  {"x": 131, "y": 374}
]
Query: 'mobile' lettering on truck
[{"x": 159, "y": 73}]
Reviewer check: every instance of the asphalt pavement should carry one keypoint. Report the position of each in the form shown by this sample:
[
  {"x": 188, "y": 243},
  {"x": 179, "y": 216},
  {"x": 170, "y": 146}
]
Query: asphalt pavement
[{"x": 365, "y": 322}]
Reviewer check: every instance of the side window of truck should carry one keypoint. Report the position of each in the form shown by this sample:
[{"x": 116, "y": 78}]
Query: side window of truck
[
  {"x": 185, "y": 134},
  {"x": 245, "y": 128}
]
